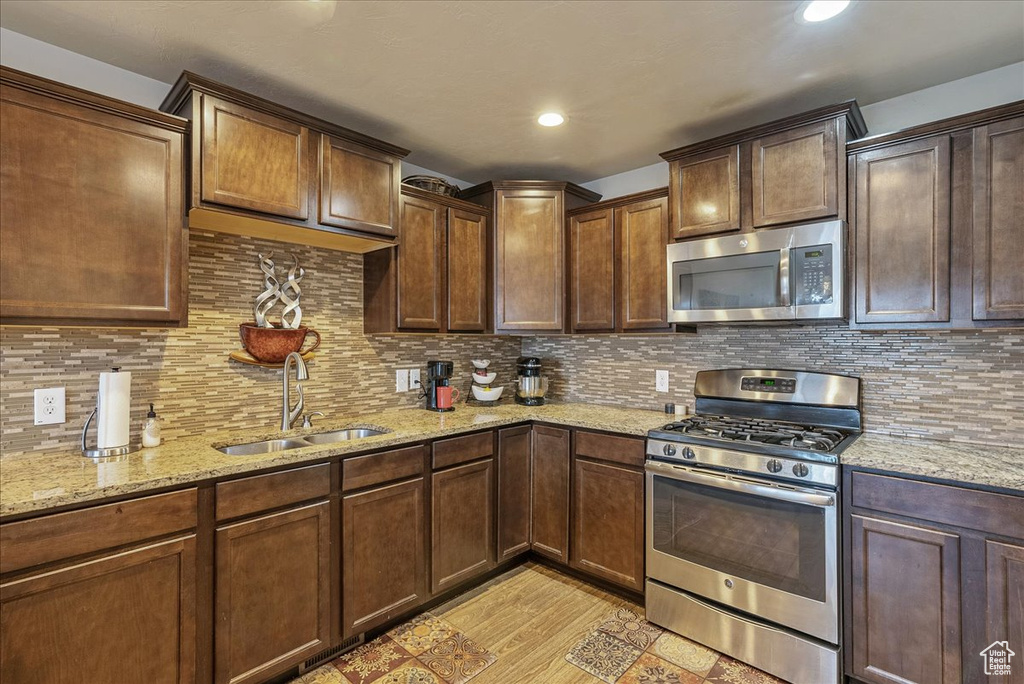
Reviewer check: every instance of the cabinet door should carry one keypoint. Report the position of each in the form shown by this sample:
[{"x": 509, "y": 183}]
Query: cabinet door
[
  {"x": 468, "y": 280},
  {"x": 529, "y": 261},
  {"x": 253, "y": 160},
  {"x": 592, "y": 266},
  {"x": 902, "y": 232},
  {"x": 359, "y": 187},
  {"x": 383, "y": 554},
  {"x": 462, "y": 523},
  {"x": 513, "y": 492},
  {"x": 420, "y": 259},
  {"x": 1004, "y": 587},
  {"x": 794, "y": 175},
  {"x": 608, "y": 523},
  {"x": 92, "y": 215},
  {"x": 550, "y": 515},
  {"x": 642, "y": 235},
  {"x": 123, "y": 617},
  {"x": 704, "y": 191},
  {"x": 905, "y": 602},
  {"x": 999, "y": 220},
  {"x": 273, "y": 593}
]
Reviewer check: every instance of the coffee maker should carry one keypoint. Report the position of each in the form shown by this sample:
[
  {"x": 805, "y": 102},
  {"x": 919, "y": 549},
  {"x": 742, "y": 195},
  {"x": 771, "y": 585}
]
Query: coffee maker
[
  {"x": 530, "y": 384},
  {"x": 439, "y": 374}
]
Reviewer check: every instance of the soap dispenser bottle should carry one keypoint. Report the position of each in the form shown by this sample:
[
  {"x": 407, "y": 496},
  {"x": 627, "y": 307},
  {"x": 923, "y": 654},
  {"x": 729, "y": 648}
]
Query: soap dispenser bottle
[{"x": 151, "y": 429}]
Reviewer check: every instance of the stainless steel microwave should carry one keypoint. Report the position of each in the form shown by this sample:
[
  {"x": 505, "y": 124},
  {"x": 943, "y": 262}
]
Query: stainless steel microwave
[{"x": 777, "y": 274}]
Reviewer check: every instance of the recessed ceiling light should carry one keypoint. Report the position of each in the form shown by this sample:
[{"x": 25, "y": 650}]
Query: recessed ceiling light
[
  {"x": 550, "y": 119},
  {"x": 820, "y": 10}
]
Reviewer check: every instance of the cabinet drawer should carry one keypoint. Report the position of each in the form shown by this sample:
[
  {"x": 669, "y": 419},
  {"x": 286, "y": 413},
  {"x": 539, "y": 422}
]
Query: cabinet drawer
[
  {"x": 365, "y": 471},
  {"x": 27, "y": 543},
  {"x": 623, "y": 450},
  {"x": 265, "y": 492},
  {"x": 970, "y": 508},
  {"x": 449, "y": 452}
]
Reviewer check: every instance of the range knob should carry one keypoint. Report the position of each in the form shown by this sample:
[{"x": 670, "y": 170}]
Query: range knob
[
  {"x": 774, "y": 465},
  {"x": 801, "y": 470},
  {"x": 688, "y": 454},
  {"x": 669, "y": 450}
]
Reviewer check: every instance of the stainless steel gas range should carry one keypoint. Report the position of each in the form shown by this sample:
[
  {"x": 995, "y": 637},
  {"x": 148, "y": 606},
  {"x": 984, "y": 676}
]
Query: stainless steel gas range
[{"x": 743, "y": 518}]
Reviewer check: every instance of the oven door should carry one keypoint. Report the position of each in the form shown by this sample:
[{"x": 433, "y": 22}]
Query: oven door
[{"x": 764, "y": 548}]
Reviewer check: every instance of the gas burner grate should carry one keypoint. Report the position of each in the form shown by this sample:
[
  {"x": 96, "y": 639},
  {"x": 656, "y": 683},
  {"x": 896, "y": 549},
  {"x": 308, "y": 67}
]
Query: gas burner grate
[{"x": 773, "y": 432}]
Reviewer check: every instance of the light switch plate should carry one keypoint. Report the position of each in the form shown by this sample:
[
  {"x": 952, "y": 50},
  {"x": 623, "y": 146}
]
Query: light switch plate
[
  {"x": 401, "y": 380},
  {"x": 49, "y": 406},
  {"x": 661, "y": 381}
]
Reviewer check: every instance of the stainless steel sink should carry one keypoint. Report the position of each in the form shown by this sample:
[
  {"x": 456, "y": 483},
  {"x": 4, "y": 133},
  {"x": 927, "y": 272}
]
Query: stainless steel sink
[
  {"x": 273, "y": 445},
  {"x": 342, "y": 435},
  {"x": 268, "y": 447}
]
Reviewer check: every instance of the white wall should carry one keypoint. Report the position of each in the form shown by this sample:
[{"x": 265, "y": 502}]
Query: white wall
[{"x": 987, "y": 89}]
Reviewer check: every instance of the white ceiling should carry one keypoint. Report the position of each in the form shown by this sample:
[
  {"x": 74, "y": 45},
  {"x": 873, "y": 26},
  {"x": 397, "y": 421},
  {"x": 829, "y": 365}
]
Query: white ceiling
[{"x": 461, "y": 83}]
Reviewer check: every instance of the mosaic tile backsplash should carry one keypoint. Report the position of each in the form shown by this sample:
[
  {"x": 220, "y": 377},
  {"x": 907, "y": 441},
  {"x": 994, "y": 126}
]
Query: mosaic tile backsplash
[
  {"x": 186, "y": 372},
  {"x": 960, "y": 386}
]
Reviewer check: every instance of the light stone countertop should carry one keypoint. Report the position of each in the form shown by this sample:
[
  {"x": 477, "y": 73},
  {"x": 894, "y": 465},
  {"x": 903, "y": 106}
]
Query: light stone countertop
[
  {"x": 34, "y": 483},
  {"x": 978, "y": 466},
  {"x": 38, "y": 482}
]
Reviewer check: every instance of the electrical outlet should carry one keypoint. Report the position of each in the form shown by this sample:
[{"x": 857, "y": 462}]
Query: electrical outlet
[
  {"x": 414, "y": 378},
  {"x": 49, "y": 406},
  {"x": 661, "y": 381},
  {"x": 401, "y": 380}
]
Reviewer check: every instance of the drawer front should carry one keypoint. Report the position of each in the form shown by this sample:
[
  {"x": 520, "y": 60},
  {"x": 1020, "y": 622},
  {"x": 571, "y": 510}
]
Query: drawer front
[
  {"x": 449, "y": 452},
  {"x": 265, "y": 492},
  {"x": 373, "y": 469},
  {"x": 957, "y": 506},
  {"x": 26, "y": 543},
  {"x": 622, "y": 450}
]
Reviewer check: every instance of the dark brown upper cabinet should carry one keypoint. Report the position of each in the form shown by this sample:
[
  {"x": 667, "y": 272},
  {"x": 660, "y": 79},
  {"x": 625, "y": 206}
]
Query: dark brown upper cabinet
[
  {"x": 786, "y": 171},
  {"x": 263, "y": 170},
  {"x": 438, "y": 278},
  {"x": 937, "y": 214},
  {"x": 93, "y": 209},
  {"x": 529, "y": 250},
  {"x": 617, "y": 264}
]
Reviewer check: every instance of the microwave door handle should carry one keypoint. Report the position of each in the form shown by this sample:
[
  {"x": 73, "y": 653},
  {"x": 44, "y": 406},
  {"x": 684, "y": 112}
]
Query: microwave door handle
[
  {"x": 798, "y": 496},
  {"x": 784, "y": 297}
]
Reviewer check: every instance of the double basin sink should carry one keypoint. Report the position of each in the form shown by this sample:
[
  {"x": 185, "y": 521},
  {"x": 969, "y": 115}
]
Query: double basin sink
[{"x": 274, "y": 445}]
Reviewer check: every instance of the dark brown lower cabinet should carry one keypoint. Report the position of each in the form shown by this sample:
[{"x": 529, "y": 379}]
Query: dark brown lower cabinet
[
  {"x": 383, "y": 554},
  {"x": 513, "y": 492},
  {"x": 550, "y": 485},
  {"x": 608, "y": 523},
  {"x": 127, "y": 616},
  {"x": 462, "y": 524},
  {"x": 273, "y": 593}
]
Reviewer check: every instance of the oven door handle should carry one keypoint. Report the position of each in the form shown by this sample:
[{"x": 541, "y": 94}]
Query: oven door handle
[{"x": 800, "y": 496}]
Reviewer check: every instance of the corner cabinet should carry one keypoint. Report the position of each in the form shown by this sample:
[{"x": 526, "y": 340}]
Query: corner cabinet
[
  {"x": 263, "y": 170},
  {"x": 937, "y": 218},
  {"x": 934, "y": 574},
  {"x": 529, "y": 250},
  {"x": 92, "y": 221},
  {"x": 783, "y": 172},
  {"x": 438, "y": 279}
]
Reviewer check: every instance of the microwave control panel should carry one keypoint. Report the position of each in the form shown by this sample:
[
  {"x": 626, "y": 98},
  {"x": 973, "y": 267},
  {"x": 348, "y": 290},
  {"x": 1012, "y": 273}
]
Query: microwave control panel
[{"x": 812, "y": 274}]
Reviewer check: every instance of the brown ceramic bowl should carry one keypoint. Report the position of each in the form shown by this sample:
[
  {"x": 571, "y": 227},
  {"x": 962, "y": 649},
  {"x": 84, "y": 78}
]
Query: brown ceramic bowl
[{"x": 273, "y": 345}]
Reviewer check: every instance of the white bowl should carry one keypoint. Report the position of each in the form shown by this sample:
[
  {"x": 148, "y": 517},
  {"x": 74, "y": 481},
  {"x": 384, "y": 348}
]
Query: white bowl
[
  {"x": 483, "y": 363},
  {"x": 482, "y": 394},
  {"x": 485, "y": 379}
]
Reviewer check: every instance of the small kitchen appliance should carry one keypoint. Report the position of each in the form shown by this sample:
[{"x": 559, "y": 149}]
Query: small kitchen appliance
[
  {"x": 530, "y": 384},
  {"x": 742, "y": 518},
  {"x": 439, "y": 374}
]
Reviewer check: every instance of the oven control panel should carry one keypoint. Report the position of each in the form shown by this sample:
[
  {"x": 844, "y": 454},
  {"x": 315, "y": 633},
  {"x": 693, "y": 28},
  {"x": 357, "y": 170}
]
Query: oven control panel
[{"x": 762, "y": 384}]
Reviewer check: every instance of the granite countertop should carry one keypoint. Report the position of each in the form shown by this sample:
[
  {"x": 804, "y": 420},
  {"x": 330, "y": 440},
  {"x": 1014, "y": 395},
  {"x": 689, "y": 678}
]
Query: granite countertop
[
  {"x": 979, "y": 466},
  {"x": 38, "y": 482}
]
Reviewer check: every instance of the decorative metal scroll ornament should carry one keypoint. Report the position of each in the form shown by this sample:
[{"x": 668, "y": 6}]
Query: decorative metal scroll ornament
[
  {"x": 266, "y": 300},
  {"x": 291, "y": 302}
]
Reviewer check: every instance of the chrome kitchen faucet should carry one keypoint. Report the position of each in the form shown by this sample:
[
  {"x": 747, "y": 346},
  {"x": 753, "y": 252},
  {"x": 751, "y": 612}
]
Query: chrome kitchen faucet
[{"x": 290, "y": 414}]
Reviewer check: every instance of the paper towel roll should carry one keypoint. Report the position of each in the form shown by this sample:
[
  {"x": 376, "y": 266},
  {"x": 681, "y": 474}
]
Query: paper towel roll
[{"x": 113, "y": 414}]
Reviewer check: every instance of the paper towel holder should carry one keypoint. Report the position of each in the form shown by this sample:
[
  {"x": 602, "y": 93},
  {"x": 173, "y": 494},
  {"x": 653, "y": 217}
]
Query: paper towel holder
[{"x": 94, "y": 452}]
